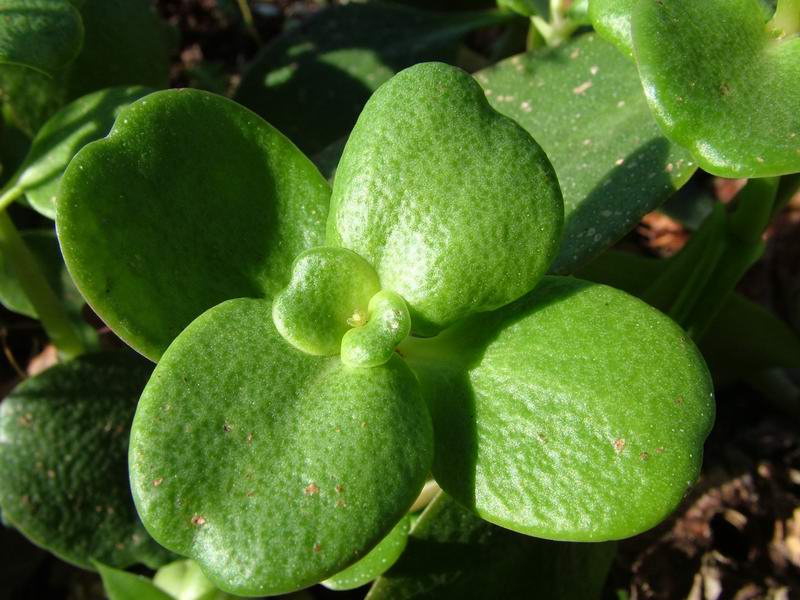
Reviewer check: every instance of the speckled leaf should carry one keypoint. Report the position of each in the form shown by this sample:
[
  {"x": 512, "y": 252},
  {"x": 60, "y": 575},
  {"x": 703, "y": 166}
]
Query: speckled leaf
[
  {"x": 87, "y": 119},
  {"x": 432, "y": 183},
  {"x": 121, "y": 585},
  {"x": 583, "y": 103},
  {"x": 452, "y": 554},
  {"x": 579, "y": 413},
  {"x": 272, "y": 468},
  {"x": 44, "y": 35},
  {"x": 379, "y": 559},
  {"x": 326, "y": 68},
  {"x": 63, "y": 450},
  {"x": 191, "y": 200},
  {"x": 125, "y": 43},
  {"x": 709, "y": 69}
]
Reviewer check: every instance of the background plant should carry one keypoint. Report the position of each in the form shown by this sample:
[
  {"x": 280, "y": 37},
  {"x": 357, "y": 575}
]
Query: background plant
[{"x": 581, "y": 100}]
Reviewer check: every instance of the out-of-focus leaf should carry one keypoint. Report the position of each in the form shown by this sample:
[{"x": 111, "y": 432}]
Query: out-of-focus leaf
[
  {"x": 121, "y": 585},
  {"x": 43, "y": 35},
  {"x": 312, "y": 81}
]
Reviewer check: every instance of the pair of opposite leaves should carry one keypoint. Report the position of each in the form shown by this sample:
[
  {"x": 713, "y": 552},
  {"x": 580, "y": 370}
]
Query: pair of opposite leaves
[
  {"x": 574, "y": 412},
  {"x": 720, "y": 76}
]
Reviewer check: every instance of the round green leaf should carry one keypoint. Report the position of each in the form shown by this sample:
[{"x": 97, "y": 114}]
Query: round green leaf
[
  {"x": 373, "y": 343},
  {"x": 63, "y": 461},
  {"x": 87, "y": 119},
  {"x": 709, "y": 69},
  {"x": 190, "y": 200},
  {"x": 272, "y": 468},
  {"x": 583, "y": 102},
  {"x": 328, "y": 294},
  {"x": 379, "y": 559},
  {"x": 44, "y": 35},
  {"x": 432, "y": 185},
  {"x": 579, "y": 413}
]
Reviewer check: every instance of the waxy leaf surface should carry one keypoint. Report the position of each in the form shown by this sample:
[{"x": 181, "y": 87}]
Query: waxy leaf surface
[
  {"x": 87, "y": 119},
  {"x": 272, "y": 468},
  {"x": 454, "y": 554},
  {"x": 379, "y": 559},
  {"x": 612, "y": 20},
  {"x": 63, "y": 461},
  {"x": 326, "y": 68},
  {"x": 709, "y": 69},
  {"x": 44, "y": 35},
  {"x": 578, "y": 413},
  {"x": 583, "y": 102},
  {"x": 191, "y": 200},
  {"x": 456, "y": 206}
]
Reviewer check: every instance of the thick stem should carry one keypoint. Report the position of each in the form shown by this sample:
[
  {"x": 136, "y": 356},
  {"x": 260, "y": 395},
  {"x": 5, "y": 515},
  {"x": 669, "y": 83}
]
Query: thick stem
[
  {"x": 49, "y": 309},
  {"x": 8, "y": 195}
]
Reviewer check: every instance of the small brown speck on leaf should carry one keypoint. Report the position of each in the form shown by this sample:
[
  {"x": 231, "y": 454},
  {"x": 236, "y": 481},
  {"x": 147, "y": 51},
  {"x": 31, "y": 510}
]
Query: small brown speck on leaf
[
  {"x": 250, "y": 494},
  {"x": 158, "y": 482},
  {"x": 363, "y": 423},
  {"x": 582, "y": 87},
  {"x": 339, "y": 488},
  {"x": 659, "y": 450},
  {"x": 250, "y": 438},
  {"x": 26, "y": 420},
  {"x": 341, "y": 504},
  {"x": 119, "y": 546},
  {"x": 311, "y": 489},
  {"x": 226, "y": 427},
  {"x": 644, "y": 455},
  {"x": 317, "y": 547},
  {"x": 679, "y": 400},
  {"x": 619, "y": 445},
  {"x": 198, "y": 520},
  {"x": 51, "y": 474},
  {"x": 724, "y": 89}
]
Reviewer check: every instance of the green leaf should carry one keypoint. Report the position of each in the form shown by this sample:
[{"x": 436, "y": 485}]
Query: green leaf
[
  {"x": 121, "y": 585},
  {"x": 205, "y": 202},
  {"x": 583, "y": 103},
  {"x": 432, "y": 183},
  {"x": 272, "y": 468},
  {"x": 87, "y": 119},
  {"x": 612, "y": 20},
  {"x": 125, "y": 44},
  {"x": 63, "y": 458},
  {"x": 326, "y": 68},
  {"x": 579, "y": 413},
  {"x": 453, "y": 554},
  {"x": 328, "y": 294},
  {"x": 184, "y": 580},
  {"x": 743, "y": 339},
  {"x": 44, "y": 35},
  {"x": 708, "y": 70},
  {"x": 379, "y": 559}
]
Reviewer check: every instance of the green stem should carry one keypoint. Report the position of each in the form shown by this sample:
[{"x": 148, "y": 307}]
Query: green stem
[
  {"x": 786, "y": 20},
  {"x": 249, "y": 22},
  {"x": 48, "y": 307},
  {"x": 8, "y": 195}
]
